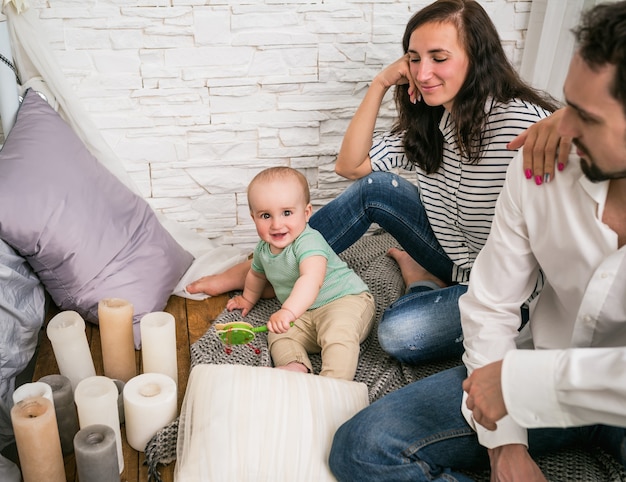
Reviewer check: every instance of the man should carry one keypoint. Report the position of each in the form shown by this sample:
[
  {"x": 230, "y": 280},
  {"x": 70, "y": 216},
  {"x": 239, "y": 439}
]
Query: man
[
  {"x": 565, "y": 380},
  {"x": 573, "y": 230}
]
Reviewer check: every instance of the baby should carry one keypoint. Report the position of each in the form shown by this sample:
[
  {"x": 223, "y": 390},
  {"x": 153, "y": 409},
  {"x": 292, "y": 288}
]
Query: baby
[{"x": 326, "y": 307}]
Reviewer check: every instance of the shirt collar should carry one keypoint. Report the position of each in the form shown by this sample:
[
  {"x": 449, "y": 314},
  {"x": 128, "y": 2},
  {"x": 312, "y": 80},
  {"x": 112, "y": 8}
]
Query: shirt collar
[
  {"x": 596, "y": 190},
  {"x": 446, "y": 124}
]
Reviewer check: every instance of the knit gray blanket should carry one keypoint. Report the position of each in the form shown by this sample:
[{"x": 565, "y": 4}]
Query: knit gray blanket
[{"x": 376, "y": 369}]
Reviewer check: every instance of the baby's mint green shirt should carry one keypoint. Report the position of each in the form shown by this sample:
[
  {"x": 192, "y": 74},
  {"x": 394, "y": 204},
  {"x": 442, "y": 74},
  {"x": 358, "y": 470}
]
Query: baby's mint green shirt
[{"x": 283, "y": 269}]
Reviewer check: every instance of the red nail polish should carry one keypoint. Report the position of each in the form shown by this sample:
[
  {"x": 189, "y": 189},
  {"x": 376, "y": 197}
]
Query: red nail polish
[
  {"x": 528, "y": 173},
  {"x": 560, "y": 166},
  {"x": 538, "y": 180}
]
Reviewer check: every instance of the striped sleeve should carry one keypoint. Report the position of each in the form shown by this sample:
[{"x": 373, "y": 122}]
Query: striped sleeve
[{"x": 387, "y": 153}]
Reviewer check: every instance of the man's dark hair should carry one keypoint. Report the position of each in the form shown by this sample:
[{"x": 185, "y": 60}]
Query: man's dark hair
[{"x": 601, "y": 38}]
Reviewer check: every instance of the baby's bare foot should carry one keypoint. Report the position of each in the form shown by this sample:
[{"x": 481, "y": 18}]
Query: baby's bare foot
[
  {"x": 230, "y": 280},
  {"x": 411, "y": 270},
  {"x": 211, "y": 285},
  {"x": 295, "y": 367}
]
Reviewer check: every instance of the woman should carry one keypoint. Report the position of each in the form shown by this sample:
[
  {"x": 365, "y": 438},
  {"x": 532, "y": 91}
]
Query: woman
[{"x": 459, "y": 102}]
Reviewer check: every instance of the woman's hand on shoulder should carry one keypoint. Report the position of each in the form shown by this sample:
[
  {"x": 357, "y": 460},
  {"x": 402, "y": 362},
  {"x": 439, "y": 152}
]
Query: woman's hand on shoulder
[{"x": 544, "y": 150}]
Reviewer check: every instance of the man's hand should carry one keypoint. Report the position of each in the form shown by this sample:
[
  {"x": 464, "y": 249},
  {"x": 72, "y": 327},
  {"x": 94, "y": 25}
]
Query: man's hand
[
  {"x": 484, "y": 395},
  {"x": 544, "y": 148},
  {"x": 511, "y": 463}
]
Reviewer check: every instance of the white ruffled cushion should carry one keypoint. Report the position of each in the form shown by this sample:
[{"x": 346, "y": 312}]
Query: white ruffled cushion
[{"x": 240, "y": 423}]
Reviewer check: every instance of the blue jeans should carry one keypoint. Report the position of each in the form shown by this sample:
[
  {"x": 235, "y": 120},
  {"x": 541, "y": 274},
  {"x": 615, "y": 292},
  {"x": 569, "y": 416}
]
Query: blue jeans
[
  {"x": 418, "y": 433},
  {"x": 394, "y": 204},
  {"x": 424, "y": 324}
]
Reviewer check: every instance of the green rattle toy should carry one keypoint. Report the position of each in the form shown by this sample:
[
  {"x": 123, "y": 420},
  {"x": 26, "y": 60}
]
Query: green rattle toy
[{"x": 238, "y": 332}]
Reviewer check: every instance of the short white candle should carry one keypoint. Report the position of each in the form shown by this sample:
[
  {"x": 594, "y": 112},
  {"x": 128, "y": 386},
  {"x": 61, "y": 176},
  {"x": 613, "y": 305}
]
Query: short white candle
[
  {"x": 32, "y": 390},
  {"x": 150, "y": 403},
  {"x": 158, "y": 344},
  {"x": 115, "y": 317},
  {"x": 66, "y": 332},
  {"x": 96, "y": 402}
]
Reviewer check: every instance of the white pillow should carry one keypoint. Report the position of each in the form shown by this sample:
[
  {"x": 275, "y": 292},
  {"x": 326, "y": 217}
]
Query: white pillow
[{"x": 240, "y": 423}]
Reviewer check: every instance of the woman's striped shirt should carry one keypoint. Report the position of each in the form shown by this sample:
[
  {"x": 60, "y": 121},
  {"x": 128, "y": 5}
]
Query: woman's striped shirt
[{"x": 460, "y": 197}]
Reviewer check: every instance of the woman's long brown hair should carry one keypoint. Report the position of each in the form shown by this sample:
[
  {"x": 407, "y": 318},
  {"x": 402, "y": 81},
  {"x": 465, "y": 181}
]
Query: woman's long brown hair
[{"x": 490, "y": 76}]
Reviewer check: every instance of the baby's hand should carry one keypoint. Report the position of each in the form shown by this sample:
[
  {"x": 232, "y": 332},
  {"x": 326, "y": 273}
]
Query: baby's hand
[
  {"x": 239, "y": 303},
  {"x": 280, "y": 321}
]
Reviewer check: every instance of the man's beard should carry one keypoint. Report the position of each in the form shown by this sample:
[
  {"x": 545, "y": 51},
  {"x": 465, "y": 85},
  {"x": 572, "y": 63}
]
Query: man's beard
[{"x": 592, "y": 171}]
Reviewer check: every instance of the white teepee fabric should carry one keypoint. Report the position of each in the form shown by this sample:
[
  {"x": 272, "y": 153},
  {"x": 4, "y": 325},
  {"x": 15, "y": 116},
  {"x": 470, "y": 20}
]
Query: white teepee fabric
[
  {"x": 37, "y": 69},
  {"x": 550, "y": 42}
]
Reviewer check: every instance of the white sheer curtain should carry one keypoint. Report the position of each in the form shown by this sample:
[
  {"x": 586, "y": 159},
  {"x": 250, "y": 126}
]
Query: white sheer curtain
[
  {"x": 550, "y": 43},
  {"x": 8, "y": 82},
  {"x": 37, "y": 68}
]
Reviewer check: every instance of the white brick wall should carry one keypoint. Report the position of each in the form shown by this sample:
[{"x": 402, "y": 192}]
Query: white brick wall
[{"x": 196, "y": 96}]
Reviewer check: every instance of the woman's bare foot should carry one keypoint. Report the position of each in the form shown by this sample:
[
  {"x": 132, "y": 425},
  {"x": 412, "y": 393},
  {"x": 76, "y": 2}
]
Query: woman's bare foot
[
  {"x": 411, "y": 270},
  {"x": 230, "y": 280},
  {"x": 295, "y": 367}
]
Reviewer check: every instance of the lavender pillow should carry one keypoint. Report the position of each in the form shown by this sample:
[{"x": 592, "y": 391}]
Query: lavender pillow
[{"x": 85, "y": 234}]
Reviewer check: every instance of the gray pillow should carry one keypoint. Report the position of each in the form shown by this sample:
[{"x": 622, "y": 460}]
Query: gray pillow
[
  {"x": 22, "y": 311},
  {"x": 85, "y": 234}
]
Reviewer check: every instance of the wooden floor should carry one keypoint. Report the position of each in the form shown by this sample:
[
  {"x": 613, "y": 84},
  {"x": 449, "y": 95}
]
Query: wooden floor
[{"x": 193, "y": 318}]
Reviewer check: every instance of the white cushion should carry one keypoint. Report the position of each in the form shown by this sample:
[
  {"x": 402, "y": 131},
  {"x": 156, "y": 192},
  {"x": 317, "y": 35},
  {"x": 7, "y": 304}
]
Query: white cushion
[{"x": 240, "y": 423}]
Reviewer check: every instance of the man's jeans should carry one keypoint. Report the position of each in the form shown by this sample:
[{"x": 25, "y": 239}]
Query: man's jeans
[
  {"x": 418, "y": 433},
  {"x": 424, "y": 324}
]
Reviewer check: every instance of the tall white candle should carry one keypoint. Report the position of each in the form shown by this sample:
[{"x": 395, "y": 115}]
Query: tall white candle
[
  {"x": 150, "y": 403},
  {"x": 158, "y": 344},
  {"x": 115, "y": 317},
  {"x": 32, "y": 390},
  {"x": 66, "y": 332},
  {"x": 96, "y": 402}
]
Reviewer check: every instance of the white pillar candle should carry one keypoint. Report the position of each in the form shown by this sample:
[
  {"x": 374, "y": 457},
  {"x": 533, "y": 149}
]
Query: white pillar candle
[
  {"x": 66, "y": 332},
  {"x": 32, "y": 390},
  {"x": 37, "y": 440},
  {"x": 150, "y": 403},
  {"x": 158, "y": 344},
  {"x": 115, "y": 317},
  {"x": 96, "y": 402}
]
